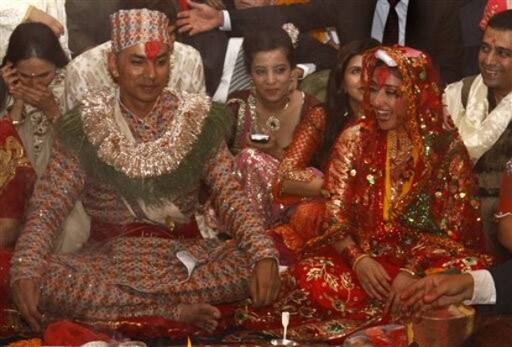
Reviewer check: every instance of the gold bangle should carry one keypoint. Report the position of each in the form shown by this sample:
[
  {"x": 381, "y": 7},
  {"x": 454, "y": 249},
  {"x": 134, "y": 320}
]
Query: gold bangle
[
  {"x": 409, "y": 271},
  {"x": 358, "y": 259},
  {"x": 17, "y": 122}
]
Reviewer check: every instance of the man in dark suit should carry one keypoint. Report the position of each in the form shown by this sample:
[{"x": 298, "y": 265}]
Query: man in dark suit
[
  {"x": 217, "y": 50},
  {"x": 429, "y": 25}
]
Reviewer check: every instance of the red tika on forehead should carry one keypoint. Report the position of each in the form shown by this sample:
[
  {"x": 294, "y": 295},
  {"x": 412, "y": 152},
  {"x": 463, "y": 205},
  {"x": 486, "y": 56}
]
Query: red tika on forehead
[
  {"x": 381, "y": 75},
  {"x": 151, "y": 48}
]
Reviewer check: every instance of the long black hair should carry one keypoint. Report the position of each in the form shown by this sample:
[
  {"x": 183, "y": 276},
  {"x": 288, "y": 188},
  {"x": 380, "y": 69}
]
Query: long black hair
[
  {"x": 337, "y": 102},
  {"x": 267, "y": 40},
  {"x": 31, "y": 40}
]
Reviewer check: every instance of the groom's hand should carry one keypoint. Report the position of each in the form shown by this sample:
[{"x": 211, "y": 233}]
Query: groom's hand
[{"x": 264, "y": 283}]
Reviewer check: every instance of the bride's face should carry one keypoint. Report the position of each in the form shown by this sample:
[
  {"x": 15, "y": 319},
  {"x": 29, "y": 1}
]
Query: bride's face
[{"x": 386, "y": 98}]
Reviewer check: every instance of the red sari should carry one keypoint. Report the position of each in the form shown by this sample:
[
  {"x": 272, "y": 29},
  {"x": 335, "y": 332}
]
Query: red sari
[
  {"x": 408, "y": 202},
  {"x": 16, "y": 174},
  {"x": 16, "y": 184}
]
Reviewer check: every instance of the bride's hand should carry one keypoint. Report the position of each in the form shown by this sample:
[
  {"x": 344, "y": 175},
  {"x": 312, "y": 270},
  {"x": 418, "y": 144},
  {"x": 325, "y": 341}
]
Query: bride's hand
[
  {"x": 400, "y": 284},
  {"x": 373, "y": 278}
]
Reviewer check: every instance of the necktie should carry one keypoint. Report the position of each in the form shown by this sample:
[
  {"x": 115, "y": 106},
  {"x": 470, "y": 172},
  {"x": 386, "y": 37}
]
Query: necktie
[
  {"x": 240, "y": 79},
  {"x": 390, "y": 36}
]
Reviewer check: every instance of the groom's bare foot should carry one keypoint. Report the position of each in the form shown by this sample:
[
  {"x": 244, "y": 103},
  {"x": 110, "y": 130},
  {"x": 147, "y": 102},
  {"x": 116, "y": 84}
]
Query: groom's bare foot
[{"x": 203, "y": 316}]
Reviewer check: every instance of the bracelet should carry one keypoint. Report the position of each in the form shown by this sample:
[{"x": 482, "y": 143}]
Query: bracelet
[
  {"x": 351, "y": 254},
  {"x": 15, "y": 121},
  {"x": 409, "y": 271},
  {"x": 358, "y": 259},
  {"x": 18, "y": 122}
]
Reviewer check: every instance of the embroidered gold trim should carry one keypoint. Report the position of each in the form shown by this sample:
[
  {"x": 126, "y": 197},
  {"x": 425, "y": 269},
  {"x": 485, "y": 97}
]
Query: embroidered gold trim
[
  {"x": 238, "y": 141},
  {"x": 11, "y": 157},
  {"x": 144, "y": 159}
]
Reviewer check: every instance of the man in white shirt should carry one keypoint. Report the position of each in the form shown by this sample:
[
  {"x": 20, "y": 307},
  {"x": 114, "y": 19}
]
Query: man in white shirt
[
  {"x": 483, "y": 117},
  {"x": 234, "y": 75},
  {"x": 480, "y": 107}
]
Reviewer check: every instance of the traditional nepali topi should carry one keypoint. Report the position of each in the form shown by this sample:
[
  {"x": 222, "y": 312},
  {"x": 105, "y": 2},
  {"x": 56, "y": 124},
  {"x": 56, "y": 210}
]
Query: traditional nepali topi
[{"x": 131, "y": 27}]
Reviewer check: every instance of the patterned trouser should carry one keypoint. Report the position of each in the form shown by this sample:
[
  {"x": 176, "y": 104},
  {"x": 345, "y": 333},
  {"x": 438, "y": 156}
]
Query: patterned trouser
[{"x": 141, "y": 276}]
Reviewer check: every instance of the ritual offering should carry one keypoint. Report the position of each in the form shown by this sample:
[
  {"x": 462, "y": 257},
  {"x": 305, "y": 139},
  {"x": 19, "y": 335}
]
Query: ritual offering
[
  {"x": 285, "y": 320},
  {"x": 380, "y": 336},
  {"x": 444, "y": 328}
]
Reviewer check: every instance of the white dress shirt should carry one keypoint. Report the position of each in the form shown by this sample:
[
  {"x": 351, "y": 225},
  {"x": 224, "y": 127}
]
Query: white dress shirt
[
  {"x": 484, "y": 289},
  {"x": 381, "y": 15}
]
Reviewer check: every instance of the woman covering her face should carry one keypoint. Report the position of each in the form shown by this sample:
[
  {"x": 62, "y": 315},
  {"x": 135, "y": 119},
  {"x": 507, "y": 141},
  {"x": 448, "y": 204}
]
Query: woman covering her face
[{"x": 400, "y": 204}]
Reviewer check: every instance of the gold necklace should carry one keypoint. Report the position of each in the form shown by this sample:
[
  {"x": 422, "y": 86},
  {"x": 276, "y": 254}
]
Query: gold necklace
[{"x": 272, "y": 123}]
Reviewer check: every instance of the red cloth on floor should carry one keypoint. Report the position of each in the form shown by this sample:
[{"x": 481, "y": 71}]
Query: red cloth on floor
[
  {"x": 5, "y": 259},
  {"x": 66, "y": 333}
]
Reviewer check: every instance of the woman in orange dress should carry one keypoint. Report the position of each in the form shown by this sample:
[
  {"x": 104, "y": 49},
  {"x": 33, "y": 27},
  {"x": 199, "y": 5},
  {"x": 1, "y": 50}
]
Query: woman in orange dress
[{"x": 277, "y": 129}]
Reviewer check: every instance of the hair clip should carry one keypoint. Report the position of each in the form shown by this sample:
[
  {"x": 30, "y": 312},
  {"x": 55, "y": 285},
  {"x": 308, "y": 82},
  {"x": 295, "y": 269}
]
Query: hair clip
[
  {"x": 293, "y": 33},
  {"x": 384, "y": 56}
]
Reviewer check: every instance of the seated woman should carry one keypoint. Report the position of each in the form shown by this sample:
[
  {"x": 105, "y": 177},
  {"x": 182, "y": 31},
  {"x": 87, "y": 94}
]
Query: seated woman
[
  {"x": 30, "y": 76},
  {"x": 32, "y": 98},
  {"x": 344, "y": 91},
  {"x": 278, "y": 129},
  {"x": 32, "y": 71},
  {"x": 400, "y": 204},
  {"x": 344, "y": 98}
]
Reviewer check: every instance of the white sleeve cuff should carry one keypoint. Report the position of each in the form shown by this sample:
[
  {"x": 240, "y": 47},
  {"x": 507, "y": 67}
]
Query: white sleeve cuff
[
  {"x": 227, "y": 21},
  {"x": 484, "y": 290},
  {"x": 307, "y": 68}
]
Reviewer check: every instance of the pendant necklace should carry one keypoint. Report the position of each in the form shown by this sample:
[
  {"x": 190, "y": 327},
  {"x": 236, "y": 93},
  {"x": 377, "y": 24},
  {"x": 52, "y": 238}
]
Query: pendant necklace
[{"x": 272, "y": 123}]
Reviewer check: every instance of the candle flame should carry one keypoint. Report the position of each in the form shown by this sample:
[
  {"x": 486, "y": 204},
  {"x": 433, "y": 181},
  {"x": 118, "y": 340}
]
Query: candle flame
[{"x": 189, "y": 344}]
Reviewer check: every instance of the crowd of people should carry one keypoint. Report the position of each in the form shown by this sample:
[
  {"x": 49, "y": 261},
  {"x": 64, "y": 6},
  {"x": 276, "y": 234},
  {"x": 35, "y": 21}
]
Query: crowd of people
[{"x": 187, "y": 167}]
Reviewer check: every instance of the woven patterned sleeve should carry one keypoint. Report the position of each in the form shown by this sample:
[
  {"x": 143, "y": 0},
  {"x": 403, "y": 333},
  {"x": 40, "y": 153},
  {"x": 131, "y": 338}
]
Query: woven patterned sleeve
[
  {"x": 54, "y": 196},
  {"x": 237, "y": 104},
  {"x": 306, "y": 139},
  {"x": 341, "y": 171},
  {"x": 234, "y": 209}
]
